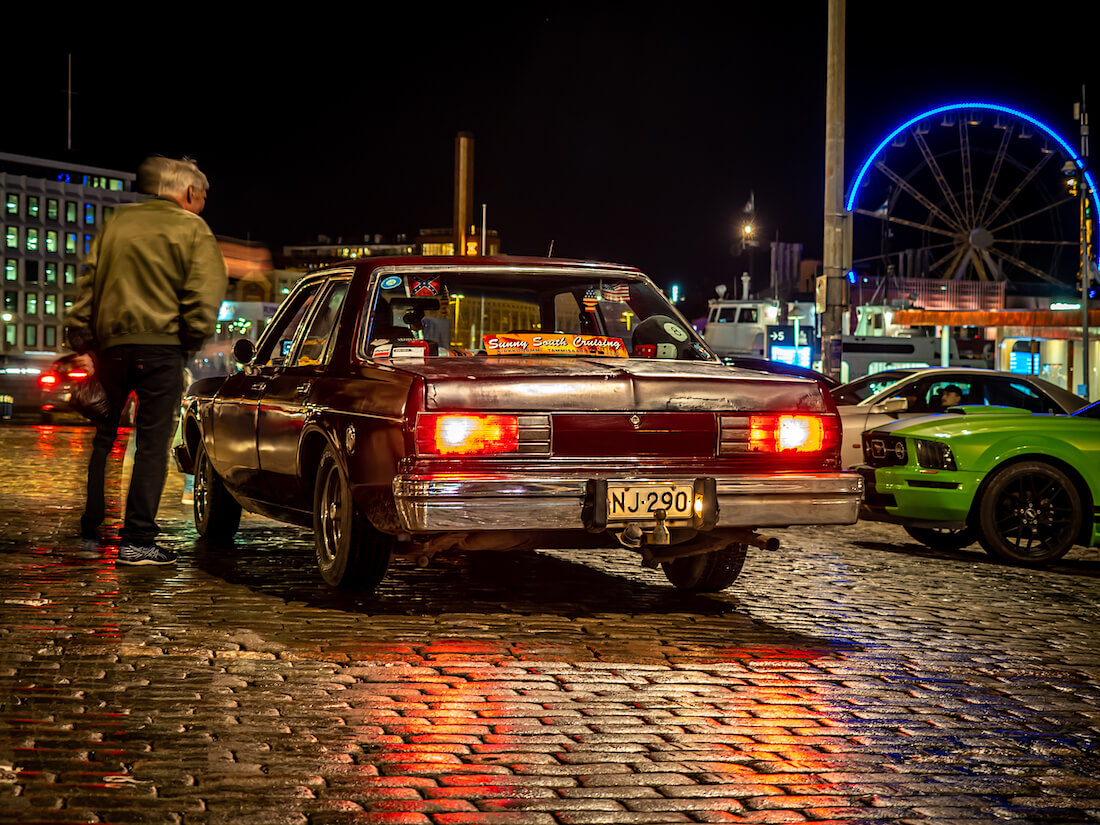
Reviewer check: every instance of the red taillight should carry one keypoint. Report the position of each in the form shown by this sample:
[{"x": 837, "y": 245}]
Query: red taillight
[
  {"x": 47, "y": 379},
  {"x": 779, "y": 433},
  {"x": 78, "y": 374},
  {"x": 462, "y": 434}
]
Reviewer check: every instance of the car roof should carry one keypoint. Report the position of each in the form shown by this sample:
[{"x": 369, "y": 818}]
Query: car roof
[{"x": 470, "y": 262}]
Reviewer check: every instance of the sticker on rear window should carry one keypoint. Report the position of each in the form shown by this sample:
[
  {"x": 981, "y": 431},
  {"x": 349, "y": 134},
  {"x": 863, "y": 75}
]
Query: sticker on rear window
[{"x": 536, "y": 343}]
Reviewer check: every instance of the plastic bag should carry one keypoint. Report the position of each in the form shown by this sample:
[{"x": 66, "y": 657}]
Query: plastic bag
[{"x": 90, "y": 399}]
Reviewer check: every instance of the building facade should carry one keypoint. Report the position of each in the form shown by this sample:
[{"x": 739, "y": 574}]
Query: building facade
[{"x": 51, "y": 210}]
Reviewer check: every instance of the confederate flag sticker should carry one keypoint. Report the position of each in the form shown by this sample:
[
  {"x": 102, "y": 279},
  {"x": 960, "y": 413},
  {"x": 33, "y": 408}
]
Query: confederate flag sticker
[{"x": 427, "y": 286}]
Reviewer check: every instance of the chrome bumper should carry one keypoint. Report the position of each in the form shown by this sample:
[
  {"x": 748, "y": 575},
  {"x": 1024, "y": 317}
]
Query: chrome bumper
[{"x": 487, "y": 502}]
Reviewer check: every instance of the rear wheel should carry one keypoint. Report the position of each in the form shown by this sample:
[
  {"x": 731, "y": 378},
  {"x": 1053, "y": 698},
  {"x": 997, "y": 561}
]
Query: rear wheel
[
  {"x": 707, "y": 573},
  {"x": 217, "y": 513},
  {"x": 944, "y": 539},
  {"x": 351, "y": 552},
  {"x": 1030, "y": 513}
]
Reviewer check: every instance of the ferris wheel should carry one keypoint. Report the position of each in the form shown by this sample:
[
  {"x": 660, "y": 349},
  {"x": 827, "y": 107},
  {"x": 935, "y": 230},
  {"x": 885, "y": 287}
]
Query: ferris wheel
[{"x": 971, "y": 191}]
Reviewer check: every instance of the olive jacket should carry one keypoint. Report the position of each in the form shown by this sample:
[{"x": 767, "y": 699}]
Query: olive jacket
[{"x": 154, "y": 275}]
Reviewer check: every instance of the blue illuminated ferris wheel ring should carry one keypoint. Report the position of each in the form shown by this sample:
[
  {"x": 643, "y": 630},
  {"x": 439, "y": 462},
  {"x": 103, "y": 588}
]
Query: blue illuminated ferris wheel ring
[{"x": 1077, "y": 159}]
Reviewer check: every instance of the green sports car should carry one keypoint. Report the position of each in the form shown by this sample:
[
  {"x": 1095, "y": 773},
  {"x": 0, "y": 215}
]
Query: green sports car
[{"x": 1025, "y": 485}]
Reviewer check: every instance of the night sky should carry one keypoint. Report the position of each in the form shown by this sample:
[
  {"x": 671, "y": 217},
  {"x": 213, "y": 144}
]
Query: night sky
[{"x": 630, "y": 137}]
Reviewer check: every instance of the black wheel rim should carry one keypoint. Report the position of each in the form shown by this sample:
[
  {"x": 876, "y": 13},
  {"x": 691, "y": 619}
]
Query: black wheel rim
[
  {"x": 201, "y": 492},
  {"x": 1034, "y": 516},
  {"x": 330, "y": 508}
]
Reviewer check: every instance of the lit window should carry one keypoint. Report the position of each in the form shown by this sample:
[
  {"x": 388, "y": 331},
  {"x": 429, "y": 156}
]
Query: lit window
[
  {"x": 87, "y": 244},
  {"x": 32, "y": 239},
  {"x": 50, "y": 338},
  {"x": 116, "y": 185},
  {"x": 70, "y": 212},
  {"x": 52, "y": 209},
  {"x": 49, "y": 304},
  {"x": 13, "y": 204},
  {"x": 10, "y": 301},
  {"x": 51, "y": 240},
  {"x": 70, "y": 243},
  {"x": 30, "y": 335},
  {"x": 11, "y": 237},
  {"x": 11, "y": 270},
  {"x": 70, "y": 274},
  {"x": 9, "y": 335},
  {"x": 32, "y": 303},
  {"x": 89, "y": 214},
  {"x": 32, "y": 206},
  {"x": 51, "y": 273}
]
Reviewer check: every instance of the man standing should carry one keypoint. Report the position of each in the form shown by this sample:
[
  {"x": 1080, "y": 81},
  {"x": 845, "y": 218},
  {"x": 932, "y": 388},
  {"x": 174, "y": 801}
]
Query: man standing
[{"x": 148, "y": 298}]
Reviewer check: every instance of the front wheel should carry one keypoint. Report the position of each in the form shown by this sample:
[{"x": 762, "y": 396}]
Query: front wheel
[
  {"x": 217, "y": 513},
  {"x": 1030, "y": 513},
  {"x": 707, "y": 573},
  {"x": 943, "y": 539},
  {"x": 351, "y": 552}
]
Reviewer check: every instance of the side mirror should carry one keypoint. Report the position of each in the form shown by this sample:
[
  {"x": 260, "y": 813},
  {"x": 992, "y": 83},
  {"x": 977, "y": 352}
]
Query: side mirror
[
  {"x": 891, "y": 405},
  {"x": 244, "y": 350}
]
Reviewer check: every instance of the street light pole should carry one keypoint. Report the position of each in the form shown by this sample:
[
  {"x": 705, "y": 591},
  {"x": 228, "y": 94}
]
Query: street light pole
[
  {"x": 832, "y": 297},
  {"x": 1083, "y": 193}
]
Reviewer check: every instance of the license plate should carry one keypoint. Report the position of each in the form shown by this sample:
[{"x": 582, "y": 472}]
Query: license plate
[{"x": 638, "y": 502}]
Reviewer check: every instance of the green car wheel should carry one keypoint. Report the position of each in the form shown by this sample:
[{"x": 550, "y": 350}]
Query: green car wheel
[{"x": 1029, "y": 513}]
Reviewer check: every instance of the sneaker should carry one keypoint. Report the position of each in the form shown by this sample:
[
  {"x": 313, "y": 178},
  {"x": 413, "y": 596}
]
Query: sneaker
[{"x": 145, "y": 554}]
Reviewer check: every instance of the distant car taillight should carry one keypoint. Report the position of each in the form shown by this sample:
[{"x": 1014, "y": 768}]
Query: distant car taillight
[
  {"x": 48, "y": 379},
  {"x": 78, "y": 375},
  {"x": 784, "y": 433},
  {"x": 455, "y": 434}
]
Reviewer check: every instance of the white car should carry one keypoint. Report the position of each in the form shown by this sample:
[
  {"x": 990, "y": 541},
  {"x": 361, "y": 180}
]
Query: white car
[{"x": 906, "y": 393}]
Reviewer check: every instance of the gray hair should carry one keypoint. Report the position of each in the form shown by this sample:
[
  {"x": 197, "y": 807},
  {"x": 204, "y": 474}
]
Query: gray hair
[{"x": 168, "y": 176}]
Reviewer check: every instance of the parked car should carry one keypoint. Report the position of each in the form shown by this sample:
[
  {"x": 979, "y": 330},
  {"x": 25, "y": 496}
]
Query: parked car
[
  {"x": 55, "y": 387},
  {"x": 1025, "y": 485},
  {"x": 412, "y": 406},
  {"x": 766, "y": 365},
  {"x": 891, "y": 395}
]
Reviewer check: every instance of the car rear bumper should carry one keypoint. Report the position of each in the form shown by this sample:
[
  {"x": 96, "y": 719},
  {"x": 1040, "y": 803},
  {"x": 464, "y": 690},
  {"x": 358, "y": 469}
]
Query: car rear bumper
[{"x": 430, "y": 503}]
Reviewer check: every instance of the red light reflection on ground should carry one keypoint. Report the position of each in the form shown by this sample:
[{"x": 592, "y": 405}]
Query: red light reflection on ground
[{"x": 488, "y": 727}]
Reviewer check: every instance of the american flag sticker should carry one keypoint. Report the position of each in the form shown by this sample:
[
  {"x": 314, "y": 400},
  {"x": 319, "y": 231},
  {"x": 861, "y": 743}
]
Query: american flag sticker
[
  {"x": 591, "y": 298},
  {"x": 424, "y": 287},
  {"x": 617, "y": 292}
]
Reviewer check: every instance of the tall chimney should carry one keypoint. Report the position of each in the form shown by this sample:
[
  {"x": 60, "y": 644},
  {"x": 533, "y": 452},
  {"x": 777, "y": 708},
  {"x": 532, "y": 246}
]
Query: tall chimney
[{"x": 464, "y": 189}]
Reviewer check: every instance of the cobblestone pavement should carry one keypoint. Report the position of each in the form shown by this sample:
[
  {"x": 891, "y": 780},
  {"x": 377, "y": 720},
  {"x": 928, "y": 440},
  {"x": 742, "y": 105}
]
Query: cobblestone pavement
[{"x": 850, "y": 676}]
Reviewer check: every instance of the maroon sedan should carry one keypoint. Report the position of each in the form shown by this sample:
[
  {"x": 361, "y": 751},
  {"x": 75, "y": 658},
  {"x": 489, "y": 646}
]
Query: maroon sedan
[{"x": 412, "y": 406}]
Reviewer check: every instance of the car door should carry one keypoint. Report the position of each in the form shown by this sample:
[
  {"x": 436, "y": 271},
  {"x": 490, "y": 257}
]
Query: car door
[
  {"x": 235, "y": 409},
  {"x": 288, "y": 397}
]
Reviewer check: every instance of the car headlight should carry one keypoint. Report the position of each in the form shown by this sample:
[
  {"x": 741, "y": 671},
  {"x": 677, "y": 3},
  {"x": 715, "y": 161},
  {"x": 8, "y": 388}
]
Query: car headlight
[{"x": 934, "y": 455}]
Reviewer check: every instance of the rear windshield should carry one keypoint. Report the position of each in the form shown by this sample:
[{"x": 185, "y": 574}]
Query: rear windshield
[
  {"x": 495, "y": 314},
  {"x": 863, "y": 388}
]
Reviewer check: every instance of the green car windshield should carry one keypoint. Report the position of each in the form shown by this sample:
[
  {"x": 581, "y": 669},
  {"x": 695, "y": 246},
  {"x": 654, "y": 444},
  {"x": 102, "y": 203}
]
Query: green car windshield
[{"x": 447, "y": 313}]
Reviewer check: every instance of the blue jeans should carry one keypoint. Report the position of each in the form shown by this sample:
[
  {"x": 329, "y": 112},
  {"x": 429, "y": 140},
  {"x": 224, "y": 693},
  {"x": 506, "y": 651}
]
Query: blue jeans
[{"x": 155, "y": 374}]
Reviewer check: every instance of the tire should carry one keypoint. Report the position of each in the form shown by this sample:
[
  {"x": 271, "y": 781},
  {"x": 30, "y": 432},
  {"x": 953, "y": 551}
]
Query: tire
[
  {"x": 707, "y": 573},
  {"x": 1029, "y": 513},
  {"x": 217, "y": 513},
  {"x": 943, "y": 539},
  {"x": 351, "y": 552}
]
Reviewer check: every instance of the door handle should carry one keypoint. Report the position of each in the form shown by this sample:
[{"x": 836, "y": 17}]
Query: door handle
[
  {"x": 303, "y": 389},
  {"x": 257, "y": 386}
]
